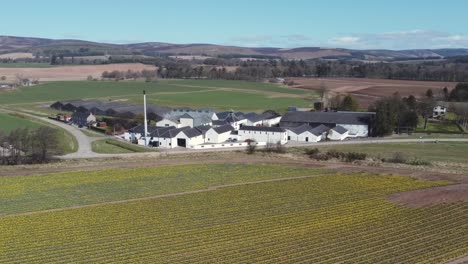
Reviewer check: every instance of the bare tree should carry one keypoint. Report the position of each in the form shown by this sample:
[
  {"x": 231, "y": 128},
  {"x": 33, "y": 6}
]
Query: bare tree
[{"x": 323, "y": 92}]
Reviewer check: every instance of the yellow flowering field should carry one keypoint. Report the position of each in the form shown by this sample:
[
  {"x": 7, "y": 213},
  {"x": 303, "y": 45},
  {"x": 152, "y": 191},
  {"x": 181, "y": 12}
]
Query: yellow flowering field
[
  {"x": 67, "y": 189},
  {"x": 325, "y": 219}
]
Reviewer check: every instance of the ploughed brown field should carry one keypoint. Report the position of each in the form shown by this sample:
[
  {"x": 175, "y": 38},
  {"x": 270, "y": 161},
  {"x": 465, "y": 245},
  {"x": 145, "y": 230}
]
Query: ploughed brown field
[
  {"x": 367, "y": 91},
  {"x": 71, "y": 73}
]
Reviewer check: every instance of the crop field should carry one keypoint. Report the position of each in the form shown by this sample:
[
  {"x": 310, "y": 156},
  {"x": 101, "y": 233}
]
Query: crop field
[
  {"x": 67, "y": 73},
  {"x": 221, "y": 95},
  {"x": 366, "y": 91},
  {"x": 10, "y": 122},
  {"x": 257, "y": 214}
]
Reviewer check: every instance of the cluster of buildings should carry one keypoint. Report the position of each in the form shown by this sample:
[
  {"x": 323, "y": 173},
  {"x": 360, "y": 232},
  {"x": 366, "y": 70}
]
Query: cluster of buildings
[{"x": 205, "y": 128}]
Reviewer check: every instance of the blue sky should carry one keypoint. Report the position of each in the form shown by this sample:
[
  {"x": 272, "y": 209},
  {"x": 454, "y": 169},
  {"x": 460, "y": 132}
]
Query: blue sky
[{"x": 361, "y": 24}]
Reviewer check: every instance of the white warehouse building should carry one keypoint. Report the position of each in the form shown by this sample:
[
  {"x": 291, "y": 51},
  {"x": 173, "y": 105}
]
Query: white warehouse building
[{"x": 263, "y": 134}]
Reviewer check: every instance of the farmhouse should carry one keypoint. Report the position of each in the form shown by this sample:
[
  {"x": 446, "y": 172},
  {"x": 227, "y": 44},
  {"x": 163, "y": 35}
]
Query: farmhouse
[
  {"x": 338, "y": 133},
  {"x": 439, "y": 110},
  {"x": 82, "y": 119},
  {"x": 359, "y": 124},
  {"x": 263, "y": 134}
]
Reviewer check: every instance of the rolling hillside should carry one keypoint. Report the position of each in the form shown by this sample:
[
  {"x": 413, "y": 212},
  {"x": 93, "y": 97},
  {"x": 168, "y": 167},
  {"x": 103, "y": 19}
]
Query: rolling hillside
[{"x": 46, "y": 47}]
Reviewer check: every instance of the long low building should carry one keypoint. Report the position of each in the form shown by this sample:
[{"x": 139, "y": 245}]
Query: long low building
[
  {"x": 358, "y": 124},
  {"x": 263, "y": 134}
]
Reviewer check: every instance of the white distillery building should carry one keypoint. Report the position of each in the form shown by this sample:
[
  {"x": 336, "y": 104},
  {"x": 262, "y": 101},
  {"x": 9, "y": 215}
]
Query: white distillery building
[
  {"x": 358, "y": 124},
  {"x": 263, "y": 134}
]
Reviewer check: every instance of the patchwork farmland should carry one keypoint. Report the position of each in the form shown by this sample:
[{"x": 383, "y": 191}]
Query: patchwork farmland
[
  {"x": 367, "y": 91},
  {"x": 224, "y": 213},
  {"x": 216, "y": 94}
]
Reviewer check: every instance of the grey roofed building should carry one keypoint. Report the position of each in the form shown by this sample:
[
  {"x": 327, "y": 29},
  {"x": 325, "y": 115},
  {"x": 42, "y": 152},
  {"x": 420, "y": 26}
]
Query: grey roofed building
[
  {"x": 319, "y": 130},
  {"x": 301, "y": 129},
  {"x": 292, "y": 119},
  {"x": 340, "y": 129},
  {"x": 253, "y": 117},
  {"x": 263, "y": 129},
  {"x": 172, "y": 133},
  {"x": 160, "y": 131},
  {"x": 108, "y": 108},
  {"x": 140, "y": 129},
  {"x": 192, "y": 132},
  {"x": 203, "y": 129},
  {"x": 223, "y": 129}
]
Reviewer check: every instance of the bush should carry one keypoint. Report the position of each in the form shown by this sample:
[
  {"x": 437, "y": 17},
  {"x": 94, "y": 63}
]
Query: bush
[
  {"x": 251, "y": 148},
  {"x": 280, "y": 148},
  {"x": 398, "y": 157},
  {"x": 418, "y": 162},
  {"x": 352, "y": 156}
]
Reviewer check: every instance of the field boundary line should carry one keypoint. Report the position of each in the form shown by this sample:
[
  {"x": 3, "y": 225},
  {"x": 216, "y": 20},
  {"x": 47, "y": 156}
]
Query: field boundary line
[
  {"x": 459, "y": 260},
  {"x": 207, "y": 189}
]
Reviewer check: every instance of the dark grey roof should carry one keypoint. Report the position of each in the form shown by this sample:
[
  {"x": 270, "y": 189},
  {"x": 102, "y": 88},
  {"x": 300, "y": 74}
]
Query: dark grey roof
[
  {"x": 340, "y": 129},
  {"x": 301, "y": 129},
  {"x": 172, "y": 133},
  {"x": 223, "y": 129},
  {"x": 141, "y": 129},
  {"x": 348, "y": 118},
  {"x": 192, "y": 132},
  {"x": 219, "y": 122},
  {"x": 270, "y": 114},
  {"x": 319, "y": 130},
  {"x": 264, "y": 129},
  {"x": 253, "y": 117},
  {"x": 80, "y": 115},
  {"x": 160, "y": 131},
  {"x": 203, "y": 129}
]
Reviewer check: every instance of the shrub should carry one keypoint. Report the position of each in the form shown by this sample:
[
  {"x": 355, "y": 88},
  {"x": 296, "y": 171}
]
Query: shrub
[
  {"x": 280, "y": 148},
  {"x": 251, "y": 148},
  {"x": 398, "y": 157},
  {"x": 352, "y": 156},
  {"x": 418, "y": 162}
]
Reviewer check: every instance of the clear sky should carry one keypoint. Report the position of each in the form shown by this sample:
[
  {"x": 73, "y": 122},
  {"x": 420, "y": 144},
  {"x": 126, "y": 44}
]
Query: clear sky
[{"x": 361, "y": 24}]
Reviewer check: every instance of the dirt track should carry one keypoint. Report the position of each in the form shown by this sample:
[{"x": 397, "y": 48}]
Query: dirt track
[
  {"x": 431, "y": 196},
  {"x": 70, "y": 73}
]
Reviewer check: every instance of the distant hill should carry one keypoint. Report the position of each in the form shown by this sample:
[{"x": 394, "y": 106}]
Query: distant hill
[{"x": 70, "y": 47}]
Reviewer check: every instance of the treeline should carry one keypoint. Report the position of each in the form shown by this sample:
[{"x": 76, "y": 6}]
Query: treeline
[
  {"x": 25, "y": 146},
  {"x": 215, "y": 68},
  {"x": 148, "y": 75}
]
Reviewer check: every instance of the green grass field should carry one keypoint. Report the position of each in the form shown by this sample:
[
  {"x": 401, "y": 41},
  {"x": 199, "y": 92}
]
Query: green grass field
[
  {"x": 114, "y": 146},
  {"x": 25, "y": 65},
  {"x": 438, "y": 127},
  {"x": 322, "y": 219},
  {"x": 433, "y": 152},
  {"x": 239, "y": 95},
  {"x": 10, "y": 122}
]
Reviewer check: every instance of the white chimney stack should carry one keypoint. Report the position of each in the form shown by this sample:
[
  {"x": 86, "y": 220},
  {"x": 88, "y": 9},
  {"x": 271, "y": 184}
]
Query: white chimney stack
[{"x": 146, "y": 121}]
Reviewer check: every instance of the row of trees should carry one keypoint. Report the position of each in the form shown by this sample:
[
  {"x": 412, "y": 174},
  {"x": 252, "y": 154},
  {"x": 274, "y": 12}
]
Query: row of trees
[
  {"x": 398, "y": 113},
  {"x": 260, "y": 70},
  {"x": 25, "y": 146}
]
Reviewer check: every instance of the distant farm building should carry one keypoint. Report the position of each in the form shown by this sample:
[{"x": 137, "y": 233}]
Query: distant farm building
[
  {"x": 154, "y": 112},
  {"x": 358, "y": 124}
]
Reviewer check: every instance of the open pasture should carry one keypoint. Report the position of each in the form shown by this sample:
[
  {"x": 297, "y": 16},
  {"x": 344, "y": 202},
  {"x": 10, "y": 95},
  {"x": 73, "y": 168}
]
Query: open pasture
[{"x": 220, "y": 95}]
